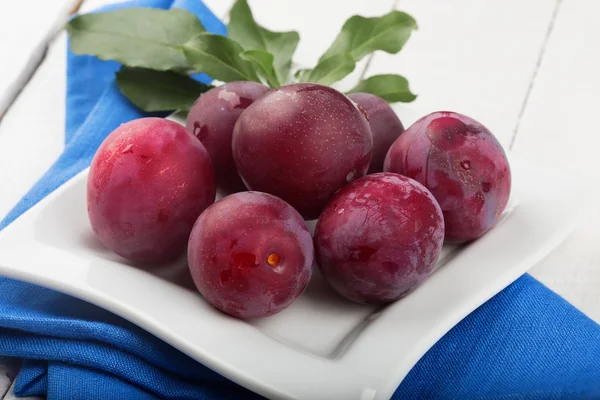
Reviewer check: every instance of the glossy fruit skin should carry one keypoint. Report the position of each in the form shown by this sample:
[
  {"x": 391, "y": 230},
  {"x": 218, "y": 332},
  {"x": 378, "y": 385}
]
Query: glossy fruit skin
[
  {"x": 385, "y": 126},
  {"x": 229, "y": 249},
  {"x": 379, "y": 238},
  {"x": 148, "y": 183},
  {"x": 462, "y": 164},
  {"x": 212, "y": 118},
  {"x": 302, "y": 142}
]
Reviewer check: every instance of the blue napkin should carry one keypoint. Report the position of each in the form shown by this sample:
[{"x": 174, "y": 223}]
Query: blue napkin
[{"x": 526, "y": 342}]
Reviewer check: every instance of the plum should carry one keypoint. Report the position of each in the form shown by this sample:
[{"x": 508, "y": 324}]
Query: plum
[
  {"x": 212, "y": 118},
  {"x": 148, "y": 183},
  {"x": 462, "y": 164},
  {"x": 385, "y": 126},
  {"x": 378, "y": 238},
  {"x": 250, "y": 254},
  {"x": 302, "y": 142}
]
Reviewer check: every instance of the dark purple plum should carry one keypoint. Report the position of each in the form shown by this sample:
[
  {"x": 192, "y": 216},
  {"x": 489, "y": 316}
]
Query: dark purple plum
[
  {"x": 148, "y": 183},
  {"x": 462, "y": 164},
  {"x": 212, "y": 118},
  {"x": 378, "y": 238},
  {"x": 302, "y": 142},
  {"x": 385, "y": 126},
  {"x": 250, "y": 255}
]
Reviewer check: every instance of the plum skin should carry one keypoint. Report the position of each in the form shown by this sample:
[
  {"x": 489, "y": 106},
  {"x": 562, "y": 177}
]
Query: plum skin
[
  {"x": 148, "y": 183},
  {"x": 379, "y": 238},
  {"x": 250, "y": 255},
  {"x": 385, "y": 126},
  {"x": 212, "y": 118},
  {"x": 302, "y": 142},
  {"x": 460, "y": 161}
]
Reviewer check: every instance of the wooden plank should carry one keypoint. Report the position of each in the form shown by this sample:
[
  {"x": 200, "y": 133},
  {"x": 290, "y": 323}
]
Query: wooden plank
[
  {"x": 32, "y": 131},
  {"x": 559, "y": 128},
  {"x": 26, "y": 28},
  {"x": 559, "y": 124},
  {"x": 471, "y": 56}
]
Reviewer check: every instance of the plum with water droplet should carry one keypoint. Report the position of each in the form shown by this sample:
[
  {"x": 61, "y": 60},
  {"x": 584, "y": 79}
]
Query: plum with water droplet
[
  {"x": 379, "y": 238},
  {"x": 461, "y": 162},
  {"x": 302, "y": 142},
  {"x": 148, "y": 183},
  {"x": 250, "y": 255},
  {"x": 212, "y": 118},
  {"x": 385, "y": 126}
]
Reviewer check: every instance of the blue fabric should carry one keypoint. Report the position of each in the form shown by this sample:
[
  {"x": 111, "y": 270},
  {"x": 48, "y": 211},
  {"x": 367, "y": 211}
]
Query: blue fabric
[{"x": 526, "y": 342}]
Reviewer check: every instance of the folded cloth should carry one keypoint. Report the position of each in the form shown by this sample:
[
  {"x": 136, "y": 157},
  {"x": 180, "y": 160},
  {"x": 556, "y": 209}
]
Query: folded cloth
[
  {"x": 75, "y": 350},
  {"x": 526, "y": 342}
]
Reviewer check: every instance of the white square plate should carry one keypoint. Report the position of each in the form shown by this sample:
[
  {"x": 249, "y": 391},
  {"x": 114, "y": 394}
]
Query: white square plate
[{"x": 322, "y": 346}]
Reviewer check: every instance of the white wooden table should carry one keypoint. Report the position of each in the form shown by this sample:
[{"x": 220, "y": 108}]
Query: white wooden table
[{"x": 526, "y": 69}]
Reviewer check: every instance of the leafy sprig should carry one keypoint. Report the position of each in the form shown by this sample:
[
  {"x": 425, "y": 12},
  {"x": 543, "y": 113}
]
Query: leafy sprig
[
  {"x": 281, "y": 45},
  {"x": 159, "y": 49}
]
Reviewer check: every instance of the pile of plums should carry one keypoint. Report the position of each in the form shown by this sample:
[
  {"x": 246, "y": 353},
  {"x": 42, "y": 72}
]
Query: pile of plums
[{"x": 385, "y": 198}]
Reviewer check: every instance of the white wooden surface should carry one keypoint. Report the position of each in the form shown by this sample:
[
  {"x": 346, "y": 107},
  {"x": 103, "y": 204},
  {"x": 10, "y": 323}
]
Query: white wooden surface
[
  {"x": 477, "y": 62},
  {"x": 526, "y": 69},
  {"x": 24, "y": 38},
  {"x": 560, "y": 127}
]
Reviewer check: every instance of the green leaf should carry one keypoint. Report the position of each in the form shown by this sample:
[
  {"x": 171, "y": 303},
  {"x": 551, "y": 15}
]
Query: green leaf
[
  {"x": 391, "y": 88},
  {"x": 300, "y": 73},
  {"x": 159, "y": 90},
  {"x": 361, "y": 36},
  {"x": 263, "y": 61},
  {"x": 219, "y": 57},
  {"x": 136, "y": 37},
  {"x": 329, "y": 71},
  {"x": 243, "y": 28}
]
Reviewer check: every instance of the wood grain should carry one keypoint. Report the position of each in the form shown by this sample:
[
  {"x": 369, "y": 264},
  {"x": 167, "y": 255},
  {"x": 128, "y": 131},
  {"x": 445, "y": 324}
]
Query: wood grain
[
  {"x": 559, "y": 128},
  {"x": 471, "y": 56},
  {"x": 25, "y": 39}
]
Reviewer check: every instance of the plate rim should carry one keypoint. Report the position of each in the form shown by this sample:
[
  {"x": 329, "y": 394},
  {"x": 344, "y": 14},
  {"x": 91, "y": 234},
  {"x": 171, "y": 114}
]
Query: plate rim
[{"x": 344, "y": 380}]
